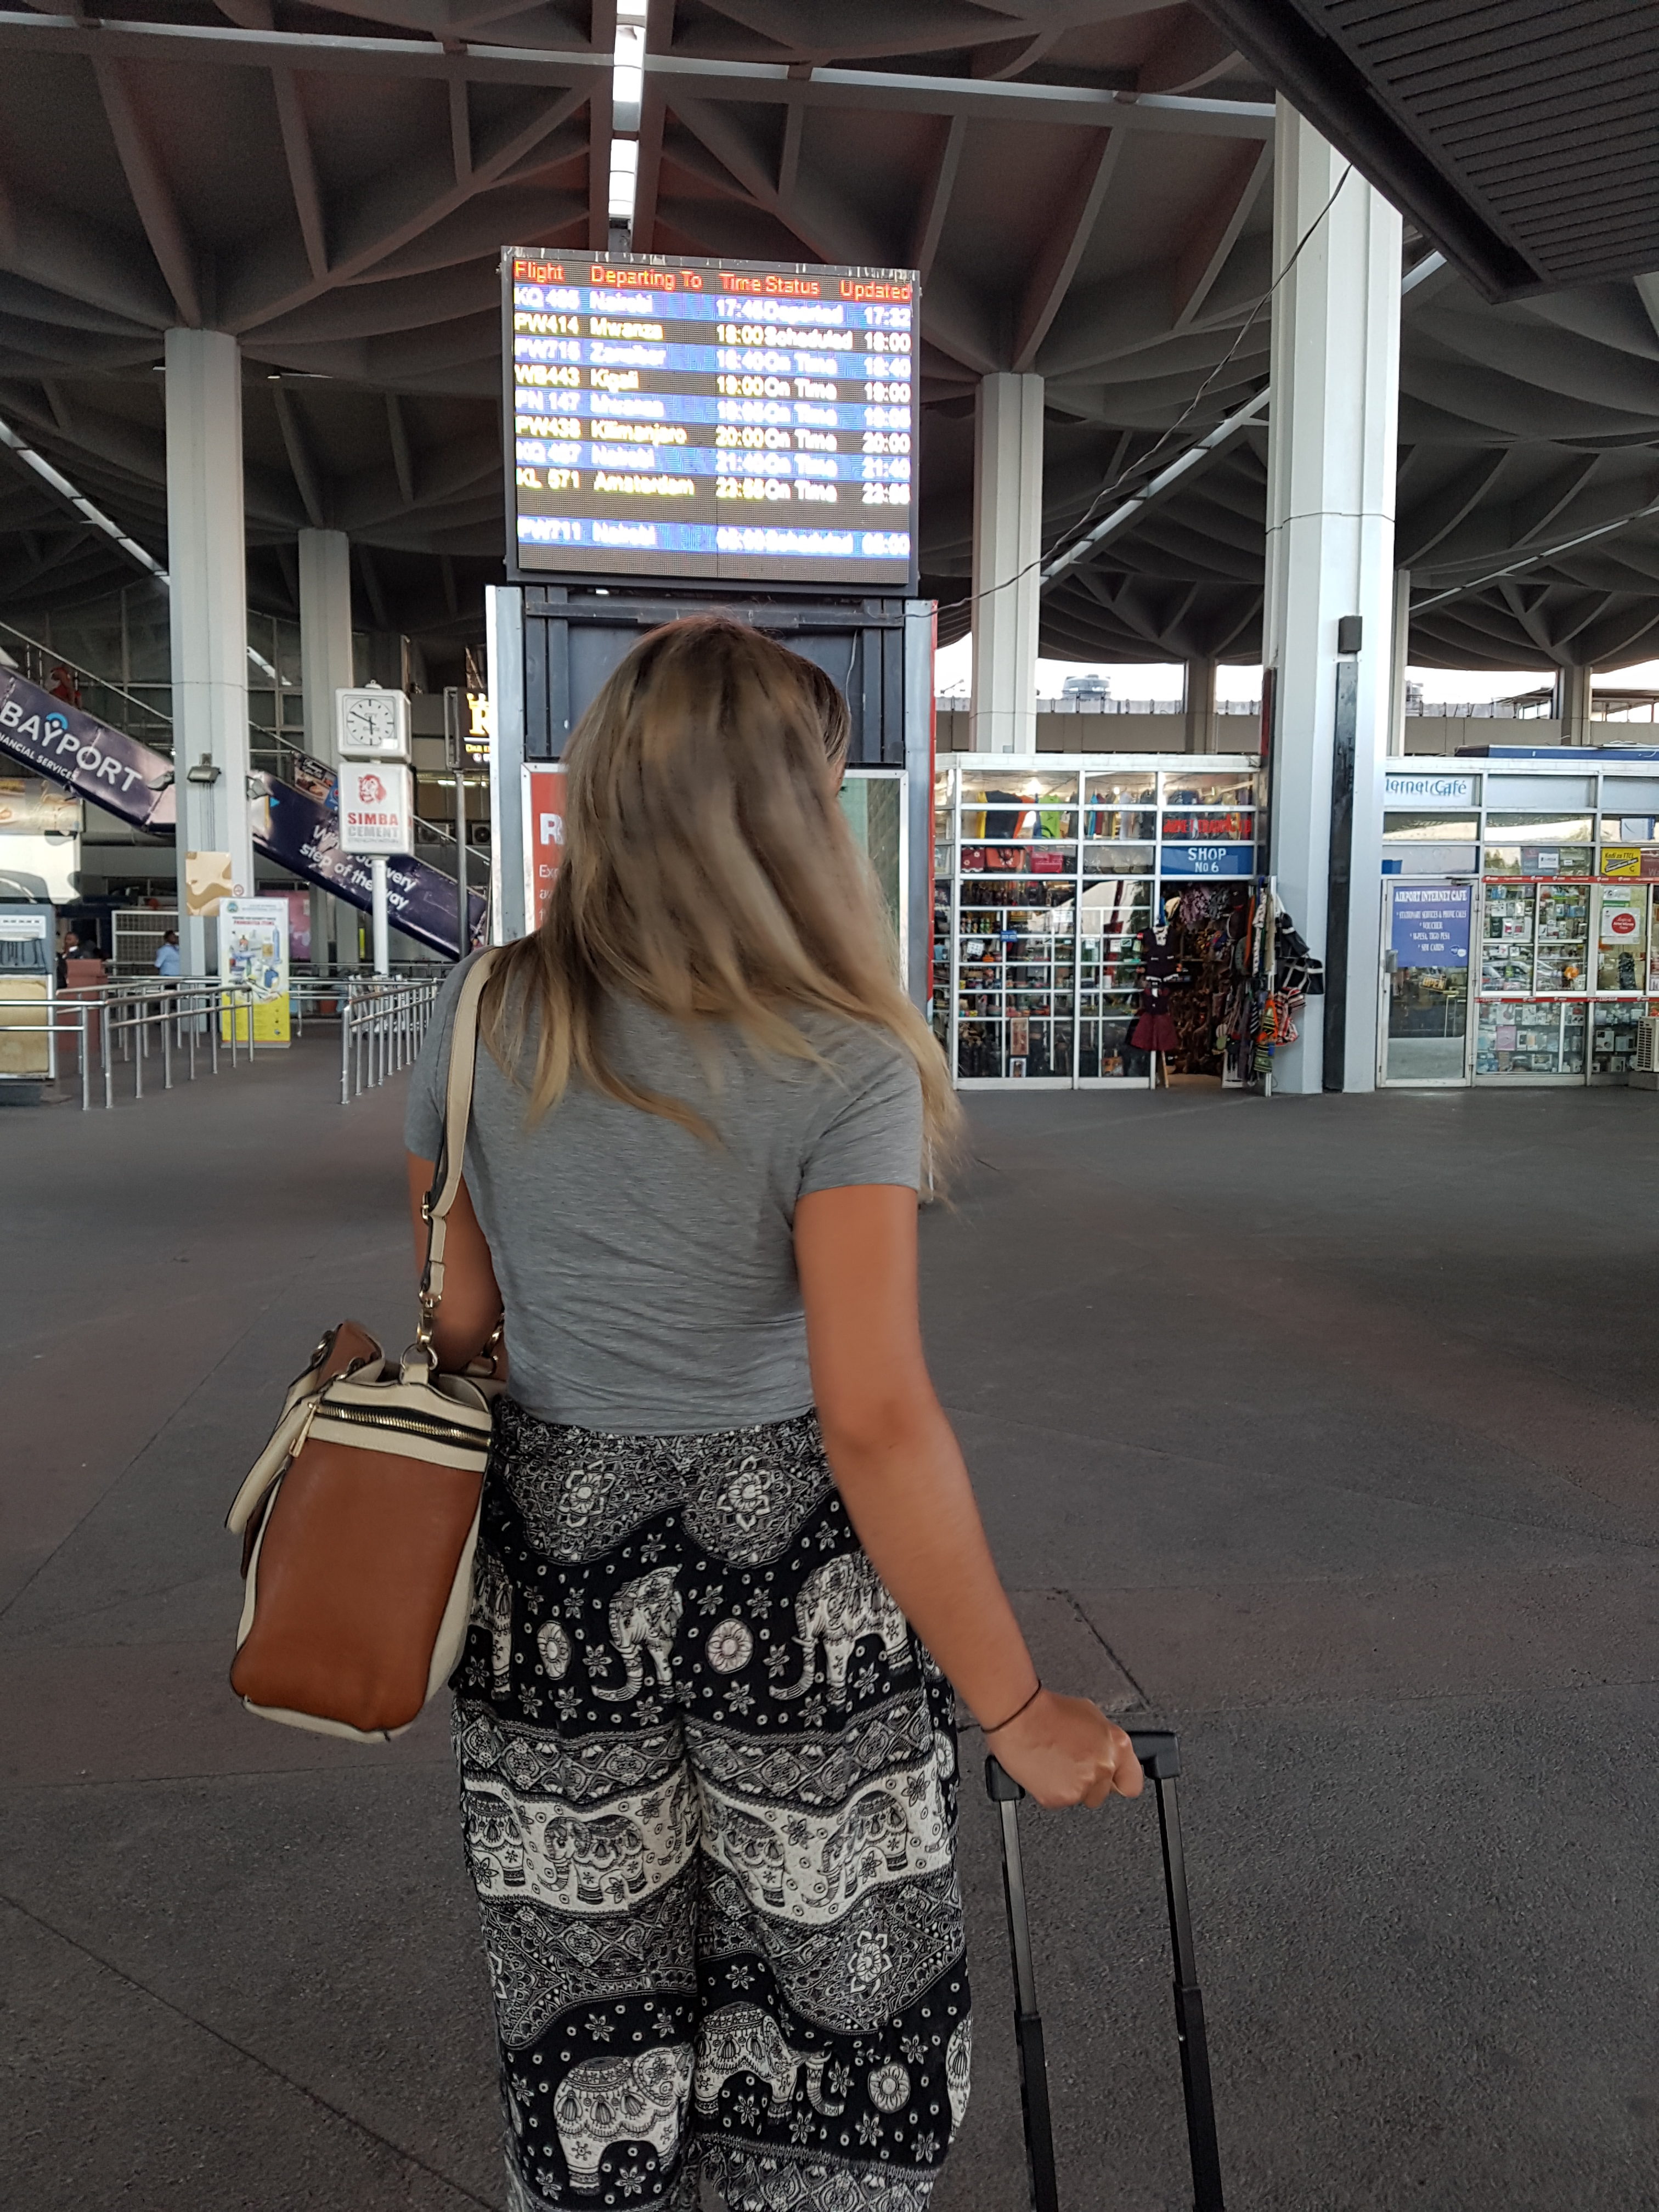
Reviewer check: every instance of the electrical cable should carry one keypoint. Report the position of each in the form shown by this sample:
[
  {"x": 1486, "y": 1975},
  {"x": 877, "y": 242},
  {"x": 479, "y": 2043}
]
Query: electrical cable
[{"x": 1139, "y": 468}]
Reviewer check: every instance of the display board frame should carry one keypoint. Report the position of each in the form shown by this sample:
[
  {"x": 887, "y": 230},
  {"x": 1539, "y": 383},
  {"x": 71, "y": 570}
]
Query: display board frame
[{"x": 637, "y": 567}]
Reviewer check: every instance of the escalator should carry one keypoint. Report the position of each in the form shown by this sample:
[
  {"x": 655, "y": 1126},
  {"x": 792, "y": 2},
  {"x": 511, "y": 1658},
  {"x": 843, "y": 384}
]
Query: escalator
[{"x": 295, "y": 828}]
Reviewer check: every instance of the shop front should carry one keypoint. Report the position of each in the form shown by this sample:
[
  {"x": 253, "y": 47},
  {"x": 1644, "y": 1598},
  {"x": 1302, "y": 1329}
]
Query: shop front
[
  {"x": 1050, "y": 876},
  {"x": 1520, "y": 942}
]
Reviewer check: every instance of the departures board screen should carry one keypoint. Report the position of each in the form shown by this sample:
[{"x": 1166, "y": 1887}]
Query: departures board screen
[{"x": 729, "y": 421}]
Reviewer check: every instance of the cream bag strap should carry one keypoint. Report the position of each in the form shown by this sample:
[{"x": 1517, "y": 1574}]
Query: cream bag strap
[{"x": 450, "y": 1163}]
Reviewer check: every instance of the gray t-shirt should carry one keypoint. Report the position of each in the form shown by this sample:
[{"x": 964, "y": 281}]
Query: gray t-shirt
[{"x": 647, "y": 1277}]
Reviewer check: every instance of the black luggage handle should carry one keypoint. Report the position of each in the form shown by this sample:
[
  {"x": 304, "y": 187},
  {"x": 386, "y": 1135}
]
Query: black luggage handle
[{"x": 1159, "y": 1751}]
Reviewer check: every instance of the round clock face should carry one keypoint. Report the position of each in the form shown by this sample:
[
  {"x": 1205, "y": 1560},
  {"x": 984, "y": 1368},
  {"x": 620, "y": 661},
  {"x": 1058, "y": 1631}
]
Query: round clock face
[{"x": 370, "y": 720}]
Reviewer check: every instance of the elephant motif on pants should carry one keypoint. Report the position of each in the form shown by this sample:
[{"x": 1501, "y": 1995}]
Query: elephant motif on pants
[
  {"x": 958, "y": 2064},
  {"x": 840, "y": 1603},
  {"x": 607, "y": 1856},
  {"x": 741, "y": 2038},
  {"x": 494, "y": 1840},
  {"x": 645, "y": 1615},
  {"x": 492, "y": 1609},
  {"x": 877, "y": 1824},
  {"x": 753, "y": 1849},
  {"x": 606, "y": 2101}
]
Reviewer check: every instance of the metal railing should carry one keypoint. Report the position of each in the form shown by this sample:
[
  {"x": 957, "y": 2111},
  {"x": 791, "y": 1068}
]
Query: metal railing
[
  {"x": 381, "y": 1030},
  {"x": 125, "y": 1027}
]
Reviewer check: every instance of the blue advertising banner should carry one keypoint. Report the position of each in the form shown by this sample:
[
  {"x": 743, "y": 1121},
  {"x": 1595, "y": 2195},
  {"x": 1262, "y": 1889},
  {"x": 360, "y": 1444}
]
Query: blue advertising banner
[
  {"x": 299, "y": 829},
  {"x": 301, "y": 832},
  {"x": 76, "y": 748},
  {"x": 1430, "y": 925},
  {"x": 1208, "y": 861}
]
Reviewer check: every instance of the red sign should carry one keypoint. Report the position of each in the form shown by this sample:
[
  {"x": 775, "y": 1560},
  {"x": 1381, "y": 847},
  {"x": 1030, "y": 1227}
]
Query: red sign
[{"x": 544, "y": 838}]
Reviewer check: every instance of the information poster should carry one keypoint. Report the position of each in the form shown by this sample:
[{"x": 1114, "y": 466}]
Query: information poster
[
  {"x": 253, "y": 955},
  {"x": 544, "y": 837},
  {"x": 730, "y": 421},
  {"x": 1428, "y": 925}
]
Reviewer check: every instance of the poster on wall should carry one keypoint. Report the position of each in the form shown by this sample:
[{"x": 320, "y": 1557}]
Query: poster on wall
[
  {"x": 1428, "y": 925},
  {"x": 543, "y": 836},
  {"x": 253, "y": 955}
]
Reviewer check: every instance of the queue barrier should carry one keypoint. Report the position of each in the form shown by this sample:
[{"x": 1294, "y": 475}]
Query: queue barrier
[
  {"x": 125, "y": 1026},
  {"x": 382, "y": 1027}
]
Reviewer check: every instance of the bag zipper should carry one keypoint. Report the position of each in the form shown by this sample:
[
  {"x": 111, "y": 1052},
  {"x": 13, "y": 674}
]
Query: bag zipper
[{"x": 414, "y": 1424}]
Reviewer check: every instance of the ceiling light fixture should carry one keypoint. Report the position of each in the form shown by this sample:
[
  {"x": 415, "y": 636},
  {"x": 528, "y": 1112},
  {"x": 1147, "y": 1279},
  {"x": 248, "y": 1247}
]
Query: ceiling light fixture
[{"x": 627, "y": 94}]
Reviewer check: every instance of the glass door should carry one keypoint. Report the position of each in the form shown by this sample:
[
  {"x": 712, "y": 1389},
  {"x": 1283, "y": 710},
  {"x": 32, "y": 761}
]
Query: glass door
[{"x": 1426, "y": 932}]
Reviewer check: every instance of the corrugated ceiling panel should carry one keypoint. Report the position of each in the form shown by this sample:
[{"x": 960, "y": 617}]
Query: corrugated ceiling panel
[{"x": 1542, "y": 111}]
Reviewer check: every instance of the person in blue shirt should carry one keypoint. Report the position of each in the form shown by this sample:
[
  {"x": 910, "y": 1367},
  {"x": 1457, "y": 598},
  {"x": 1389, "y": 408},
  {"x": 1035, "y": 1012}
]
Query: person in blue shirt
[{"x": 166, "y": 955}]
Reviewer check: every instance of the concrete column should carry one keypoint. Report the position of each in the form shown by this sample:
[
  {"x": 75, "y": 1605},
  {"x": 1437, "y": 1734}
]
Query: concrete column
[
  {"x": 325, "y": 668},
  {"x": 1399, "y": 660},
  {"x": 325, "y": 665},
  {"x": 1007, "y": 545},
  {"x": 1573, "y": 688},
  {"x": 1201, "y": 706},
  {"x": 1331, "y": 462},
  {"x": 207, "y": 560}
]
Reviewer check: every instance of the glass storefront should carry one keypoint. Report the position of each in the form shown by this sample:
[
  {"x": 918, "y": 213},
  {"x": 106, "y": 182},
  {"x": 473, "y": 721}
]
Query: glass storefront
[
  {"x": 1045, "y": 875},
  {"x": 1557, "y": 870}
]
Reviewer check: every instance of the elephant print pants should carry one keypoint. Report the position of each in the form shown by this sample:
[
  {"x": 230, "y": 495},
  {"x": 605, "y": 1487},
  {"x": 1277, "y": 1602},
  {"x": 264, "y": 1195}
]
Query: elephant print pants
[{"x": 709, "y": 1783}]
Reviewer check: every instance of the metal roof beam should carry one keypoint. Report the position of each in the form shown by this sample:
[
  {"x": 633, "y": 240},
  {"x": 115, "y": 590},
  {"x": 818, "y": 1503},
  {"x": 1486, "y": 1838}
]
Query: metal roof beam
[
  {"x": 174, "y": 255},
  {"x": 774, "y": 84},
  {"x": 1068, "y": 234}
]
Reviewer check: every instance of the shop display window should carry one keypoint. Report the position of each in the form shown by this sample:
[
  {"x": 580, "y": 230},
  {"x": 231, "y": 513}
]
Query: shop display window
[
  {"x": 1622, "y": 929},
  {"x": 1016, "y": 980},
  {"x": 1615, "y": 1031},
  {"x": 1540, "y": 845},
  {"x": 1430, "y": 844},
  {"x": 1506, "y": 943},
  {"x": 1530, "y": 1038},
  {"x": 1191, "y": 787},
  {"x": 1562, "y": 941},
  {"x": 1110, "y": 964},
  {"x": 1046, "y": 877}
]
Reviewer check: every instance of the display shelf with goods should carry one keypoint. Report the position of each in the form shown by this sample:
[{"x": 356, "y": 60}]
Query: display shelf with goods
[
  {"x": 1543, "y": 1039},
  {"x": 1046, "y": 874}
]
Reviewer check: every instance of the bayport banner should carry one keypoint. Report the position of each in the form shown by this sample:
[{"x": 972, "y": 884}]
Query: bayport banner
[{"x": 93, "y": 759}]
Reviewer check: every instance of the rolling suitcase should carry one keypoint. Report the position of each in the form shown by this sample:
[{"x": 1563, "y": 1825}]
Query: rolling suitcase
[{"x": 1159, "y": 1753}]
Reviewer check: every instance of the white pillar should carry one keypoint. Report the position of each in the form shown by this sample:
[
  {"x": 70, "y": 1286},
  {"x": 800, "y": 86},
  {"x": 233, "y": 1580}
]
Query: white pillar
[
  {"x": 1573, "y": 688},
  {"x": 325, "y": 660},
  {"x": 325, "y": 668},
  {"x": 1200, "y": 706},
  {"x": 207, "y": 560},
  {"x": 1399, "y": 661},
  {"x": 1331, "y": 462},
  {"x": 382, "y": 934},
  {"x": 1007, "y": 545}
]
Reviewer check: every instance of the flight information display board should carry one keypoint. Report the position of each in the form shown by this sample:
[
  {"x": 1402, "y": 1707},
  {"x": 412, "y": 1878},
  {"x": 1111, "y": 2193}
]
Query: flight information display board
[{"x": 730, "y": 422}]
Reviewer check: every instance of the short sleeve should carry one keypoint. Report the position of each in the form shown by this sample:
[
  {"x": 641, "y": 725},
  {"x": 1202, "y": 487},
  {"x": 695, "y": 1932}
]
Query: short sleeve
[
  {"x": 423, "y": 1115},
  {"x": 873, "y": 1130}
]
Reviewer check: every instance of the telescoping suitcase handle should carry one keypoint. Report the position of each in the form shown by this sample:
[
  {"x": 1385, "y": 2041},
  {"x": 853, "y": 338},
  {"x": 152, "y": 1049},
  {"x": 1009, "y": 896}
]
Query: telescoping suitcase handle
[{"x": 1159, "y": 1751}]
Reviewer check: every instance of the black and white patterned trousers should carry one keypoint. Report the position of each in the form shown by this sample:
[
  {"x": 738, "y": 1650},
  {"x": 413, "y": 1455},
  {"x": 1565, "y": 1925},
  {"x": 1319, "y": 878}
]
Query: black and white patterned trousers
[{"x": 708, "y": 1783}]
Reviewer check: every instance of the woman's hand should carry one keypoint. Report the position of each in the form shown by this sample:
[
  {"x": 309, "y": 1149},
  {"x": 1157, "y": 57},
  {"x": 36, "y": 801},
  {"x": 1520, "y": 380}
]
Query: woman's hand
[{"x": 1064, "y": 1750}]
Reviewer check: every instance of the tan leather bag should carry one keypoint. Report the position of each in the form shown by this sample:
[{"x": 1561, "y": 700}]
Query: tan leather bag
[{"x": 359, "y": 1519}]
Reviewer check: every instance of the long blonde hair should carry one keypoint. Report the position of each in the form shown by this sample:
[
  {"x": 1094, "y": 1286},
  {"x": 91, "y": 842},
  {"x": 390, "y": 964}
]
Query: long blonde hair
[{"x": 709, "y": 872}]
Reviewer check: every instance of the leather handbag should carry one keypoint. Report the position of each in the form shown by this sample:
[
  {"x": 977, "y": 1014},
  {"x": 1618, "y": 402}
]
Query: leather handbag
[{"x": 359, "y": 1519}]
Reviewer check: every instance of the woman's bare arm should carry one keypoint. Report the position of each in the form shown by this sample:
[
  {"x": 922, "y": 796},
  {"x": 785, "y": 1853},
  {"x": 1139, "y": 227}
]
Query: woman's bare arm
[
  {"x": 900, "y": 1475},
  {"x": 471, "y": 1305}
]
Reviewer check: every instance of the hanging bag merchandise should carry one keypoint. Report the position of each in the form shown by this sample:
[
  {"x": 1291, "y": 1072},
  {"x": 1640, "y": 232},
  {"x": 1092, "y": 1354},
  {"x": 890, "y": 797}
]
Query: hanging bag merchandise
[{"x": 359, "y": 1519}]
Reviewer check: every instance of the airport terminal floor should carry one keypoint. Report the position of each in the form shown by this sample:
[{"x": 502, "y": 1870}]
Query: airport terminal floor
[{"x": 1318, "y": 1427}]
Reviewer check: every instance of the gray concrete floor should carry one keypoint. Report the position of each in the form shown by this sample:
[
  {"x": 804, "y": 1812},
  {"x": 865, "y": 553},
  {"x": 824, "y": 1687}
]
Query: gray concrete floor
[{"x": 1321, "y": 1429}]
